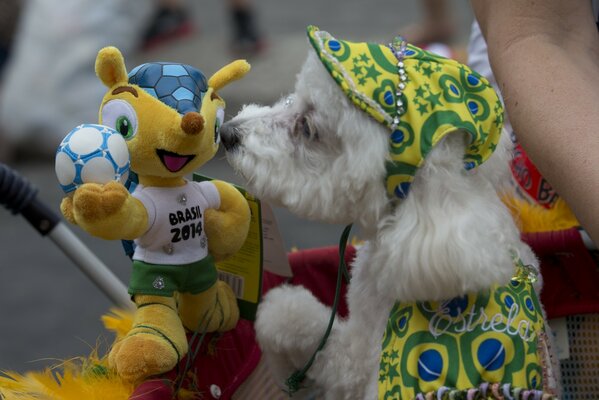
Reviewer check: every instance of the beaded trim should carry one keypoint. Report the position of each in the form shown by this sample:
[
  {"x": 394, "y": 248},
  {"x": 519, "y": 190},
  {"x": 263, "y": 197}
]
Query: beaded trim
[
  {"x": 398, "y": 46},
  {"x": 486, "y": 391}
]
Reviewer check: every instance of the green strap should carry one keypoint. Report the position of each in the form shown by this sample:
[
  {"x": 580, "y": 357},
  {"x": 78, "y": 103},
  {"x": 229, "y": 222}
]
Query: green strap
[
  {"x": 294, "y": 381},
  {"x": 194, "y": 349}
]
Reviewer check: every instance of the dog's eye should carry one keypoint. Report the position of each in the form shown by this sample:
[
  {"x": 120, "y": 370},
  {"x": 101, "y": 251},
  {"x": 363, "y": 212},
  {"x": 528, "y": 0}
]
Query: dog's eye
[{"x": 306, "y": 129}]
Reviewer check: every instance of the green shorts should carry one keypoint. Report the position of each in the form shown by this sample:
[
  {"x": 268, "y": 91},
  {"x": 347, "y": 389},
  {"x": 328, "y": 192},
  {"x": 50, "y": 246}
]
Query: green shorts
[{"x": 164, "y": 280}]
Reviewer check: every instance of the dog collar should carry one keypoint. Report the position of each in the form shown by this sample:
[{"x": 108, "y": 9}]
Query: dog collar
[{"x": 419, "y": 96}]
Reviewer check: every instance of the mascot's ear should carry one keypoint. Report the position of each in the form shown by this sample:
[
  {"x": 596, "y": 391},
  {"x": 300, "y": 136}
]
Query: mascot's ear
[
  {"x": 110, "y": 66},
  {"x": 229, "y": 73}
]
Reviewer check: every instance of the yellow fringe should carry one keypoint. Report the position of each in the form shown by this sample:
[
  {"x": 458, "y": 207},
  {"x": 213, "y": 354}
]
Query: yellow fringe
[
  {"x": 85, "y": 378},
  {"x": 79, "y": 379},
  {"x": 118, "y": 321},
  {"x": 533, "y": 218}
]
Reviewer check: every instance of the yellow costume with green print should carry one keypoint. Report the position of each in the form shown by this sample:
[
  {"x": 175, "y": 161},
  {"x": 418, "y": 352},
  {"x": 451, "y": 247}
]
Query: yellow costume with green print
[
  {"x": 483, "y": 345},
  {"x": 496, "y": 336},
  {"x": 440, "y": 96}
]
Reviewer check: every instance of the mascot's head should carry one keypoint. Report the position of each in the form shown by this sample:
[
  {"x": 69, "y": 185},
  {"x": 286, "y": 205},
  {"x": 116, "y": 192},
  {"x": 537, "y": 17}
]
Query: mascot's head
[{"x": 169, "y": 113}]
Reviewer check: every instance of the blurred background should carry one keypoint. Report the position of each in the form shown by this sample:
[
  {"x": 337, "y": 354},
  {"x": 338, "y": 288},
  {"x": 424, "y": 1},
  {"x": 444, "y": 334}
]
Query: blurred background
[{"x": 49, "y": 311}]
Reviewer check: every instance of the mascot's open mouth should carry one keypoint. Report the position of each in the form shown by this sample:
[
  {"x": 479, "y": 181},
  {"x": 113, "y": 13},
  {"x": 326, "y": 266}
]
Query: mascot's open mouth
[{"x": 172, "y": 161}]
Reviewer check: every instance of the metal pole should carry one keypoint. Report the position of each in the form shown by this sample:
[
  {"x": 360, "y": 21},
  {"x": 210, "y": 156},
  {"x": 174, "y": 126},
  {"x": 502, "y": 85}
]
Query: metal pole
[
  {"x": 91, "y": 266},
  {"x": 20, "y": 197}
]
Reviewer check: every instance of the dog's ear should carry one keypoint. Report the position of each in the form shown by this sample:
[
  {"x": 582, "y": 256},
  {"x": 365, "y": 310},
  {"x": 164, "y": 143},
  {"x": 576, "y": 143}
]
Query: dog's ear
[{"x": 450, "y": 236}]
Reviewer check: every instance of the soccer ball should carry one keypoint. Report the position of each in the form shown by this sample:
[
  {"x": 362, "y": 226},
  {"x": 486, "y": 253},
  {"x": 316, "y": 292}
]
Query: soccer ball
[{"x": 91, "y": 153}]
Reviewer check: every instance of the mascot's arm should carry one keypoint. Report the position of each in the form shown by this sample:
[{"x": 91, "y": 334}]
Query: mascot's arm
[
  {"x": 106, "y": 211},
  {"x": 227, "y": 227}
]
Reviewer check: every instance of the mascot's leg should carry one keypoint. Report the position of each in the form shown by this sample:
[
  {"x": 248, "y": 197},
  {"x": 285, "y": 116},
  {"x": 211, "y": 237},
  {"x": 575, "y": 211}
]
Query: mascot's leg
[
  {"x": 212, "y": 310},
  {"x": 155, "y": 343}
]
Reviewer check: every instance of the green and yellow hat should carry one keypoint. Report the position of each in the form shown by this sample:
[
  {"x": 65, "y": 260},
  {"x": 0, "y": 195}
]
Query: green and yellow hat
[{"x": 419, "y": 96}]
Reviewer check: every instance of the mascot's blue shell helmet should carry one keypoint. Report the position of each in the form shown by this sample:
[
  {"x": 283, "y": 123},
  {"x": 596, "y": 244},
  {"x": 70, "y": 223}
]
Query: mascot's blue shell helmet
[{"x": 179, "y": 86}]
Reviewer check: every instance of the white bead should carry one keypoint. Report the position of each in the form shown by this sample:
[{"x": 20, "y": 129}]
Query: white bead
[{"x": 215, "y": 391}]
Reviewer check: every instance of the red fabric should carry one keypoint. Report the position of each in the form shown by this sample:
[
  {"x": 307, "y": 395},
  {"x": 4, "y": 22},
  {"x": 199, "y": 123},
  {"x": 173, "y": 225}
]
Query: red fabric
[
  {"x": 229, "y": 359},
  {"x": 571, "y": 277},
  {"x": 530, "y": 179},
  {"x": 316, "y": 270},
  {"x": 224, "y": 360}
]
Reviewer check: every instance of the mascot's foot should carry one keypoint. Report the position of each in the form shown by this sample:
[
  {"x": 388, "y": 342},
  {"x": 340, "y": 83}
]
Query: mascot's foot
[
  {"x": 143, "y": 354},
  {"x": 214, "y": 310},
  {"x": 154, "y": 345}
]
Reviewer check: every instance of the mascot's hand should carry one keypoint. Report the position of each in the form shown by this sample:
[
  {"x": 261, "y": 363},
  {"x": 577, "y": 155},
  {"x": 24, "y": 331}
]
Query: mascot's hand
[
  {"x": 107, "y": 211},
  {"x": 66, "y": 208},
  {"x": 93, "y": 202}
]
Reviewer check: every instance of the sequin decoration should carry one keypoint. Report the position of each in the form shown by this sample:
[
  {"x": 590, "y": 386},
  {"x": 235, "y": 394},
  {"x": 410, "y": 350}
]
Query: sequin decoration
[{"x": 158, "y": 283}]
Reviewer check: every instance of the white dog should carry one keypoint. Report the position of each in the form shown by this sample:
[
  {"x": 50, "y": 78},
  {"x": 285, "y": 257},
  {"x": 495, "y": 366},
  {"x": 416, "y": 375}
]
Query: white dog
[{"x": 437, "y": 243}]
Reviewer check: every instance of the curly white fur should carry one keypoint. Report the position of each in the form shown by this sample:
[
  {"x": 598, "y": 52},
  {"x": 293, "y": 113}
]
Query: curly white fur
[{"x": 320, "y": 156}]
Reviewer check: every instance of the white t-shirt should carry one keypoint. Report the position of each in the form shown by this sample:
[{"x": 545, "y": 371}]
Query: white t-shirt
[{"x": 176, "y": 232}]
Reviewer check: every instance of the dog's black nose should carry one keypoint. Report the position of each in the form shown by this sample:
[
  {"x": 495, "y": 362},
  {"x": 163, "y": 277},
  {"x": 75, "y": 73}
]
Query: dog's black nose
[{"x": 229, "y": 136}]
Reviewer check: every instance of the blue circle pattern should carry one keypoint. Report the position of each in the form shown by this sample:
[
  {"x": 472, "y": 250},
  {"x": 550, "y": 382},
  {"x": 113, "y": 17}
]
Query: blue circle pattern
[
  {"x": 430, "y": 365},
  {"x": 473, "y": 80},
  {"x": 529, "y": 304},
  {"x": 457, "y": 306},
  {"x": 388, "y": 98},
  {"x": 397, "y": 136},
  {"x": 334, "y": 45},
  {"x": 491, "y": 354},
  {"x": 401, "y": 190},
  {"x": 473, "y": 107},
  {"x": 509, "y": 301},
  {"x": 454, "y": 89},
  {"x": 402, "y": 322}
]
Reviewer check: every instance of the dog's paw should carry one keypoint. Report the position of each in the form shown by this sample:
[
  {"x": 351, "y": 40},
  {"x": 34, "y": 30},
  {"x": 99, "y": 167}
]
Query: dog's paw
[
  {"x": 93, "y": 202},
  {"x": 292, "y": 321}
]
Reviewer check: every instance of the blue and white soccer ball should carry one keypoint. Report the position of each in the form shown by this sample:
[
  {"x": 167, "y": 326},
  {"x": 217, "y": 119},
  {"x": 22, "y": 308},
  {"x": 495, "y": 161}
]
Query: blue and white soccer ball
[{"x": 91, "y": 153}]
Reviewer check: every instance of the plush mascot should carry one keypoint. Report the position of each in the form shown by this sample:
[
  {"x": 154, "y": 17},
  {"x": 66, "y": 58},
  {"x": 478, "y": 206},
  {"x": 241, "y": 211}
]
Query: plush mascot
[{"x": 170, "y": 117}]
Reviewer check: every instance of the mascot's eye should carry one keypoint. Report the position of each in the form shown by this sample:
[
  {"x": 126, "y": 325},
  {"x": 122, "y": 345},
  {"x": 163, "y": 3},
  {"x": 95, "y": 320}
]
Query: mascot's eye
[
  {"x": 123, "y": 126},
  {"x": 220, "y": 117},
  {"x": 120, "y": 115}
]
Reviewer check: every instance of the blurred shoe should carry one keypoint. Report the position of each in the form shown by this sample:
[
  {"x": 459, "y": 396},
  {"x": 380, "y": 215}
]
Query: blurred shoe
[
  {"x": 247, "y": 41},
  {"x": 248, "y": 48},
  {"x": 168, "y": 24}
]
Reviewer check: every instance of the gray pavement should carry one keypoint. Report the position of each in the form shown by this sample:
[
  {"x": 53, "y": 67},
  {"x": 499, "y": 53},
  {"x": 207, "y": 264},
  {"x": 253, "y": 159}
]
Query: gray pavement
[{"x": 49, "y": 311}]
